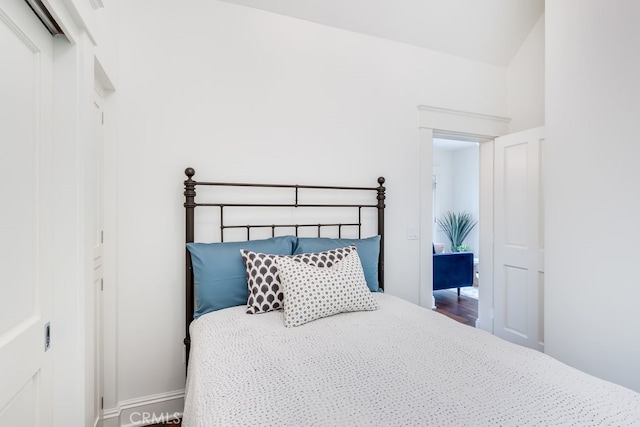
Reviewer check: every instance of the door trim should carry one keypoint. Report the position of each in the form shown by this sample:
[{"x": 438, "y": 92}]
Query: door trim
[
  {"x": 103, "y": 93},
  {"x": 471, "y": 126},
  {"x": 459, "y": 123}
]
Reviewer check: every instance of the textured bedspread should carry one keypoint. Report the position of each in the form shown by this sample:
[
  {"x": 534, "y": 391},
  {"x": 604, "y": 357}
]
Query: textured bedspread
[{"x": 400, "y": 365}]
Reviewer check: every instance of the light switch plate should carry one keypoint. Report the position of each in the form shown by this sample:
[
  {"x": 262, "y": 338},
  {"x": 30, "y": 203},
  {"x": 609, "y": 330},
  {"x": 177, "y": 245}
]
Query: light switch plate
[{"x": 413, "y": 233}]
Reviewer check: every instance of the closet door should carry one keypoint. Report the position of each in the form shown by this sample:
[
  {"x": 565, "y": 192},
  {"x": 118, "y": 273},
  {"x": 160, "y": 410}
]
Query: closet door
[{"x": 25, "y": 218}]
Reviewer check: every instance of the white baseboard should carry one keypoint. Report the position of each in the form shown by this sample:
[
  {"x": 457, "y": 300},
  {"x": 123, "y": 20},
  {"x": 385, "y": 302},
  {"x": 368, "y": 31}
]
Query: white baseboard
[
  {"x": 482, "y": 324},
  {"x": 146, "y": 410}
]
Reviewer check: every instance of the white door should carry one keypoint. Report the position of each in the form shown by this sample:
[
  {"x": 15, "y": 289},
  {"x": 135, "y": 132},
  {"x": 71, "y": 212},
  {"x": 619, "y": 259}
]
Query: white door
[
  {"x": 518, "y": 244},
  {"x": 95, "y": 381},
  {"x": 25, "y": 217}
]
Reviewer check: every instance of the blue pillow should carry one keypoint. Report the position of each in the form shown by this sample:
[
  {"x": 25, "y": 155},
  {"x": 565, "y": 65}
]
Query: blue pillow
[
  {"x": 368, "y": 250},
  {"x": 219, "y": 274}
]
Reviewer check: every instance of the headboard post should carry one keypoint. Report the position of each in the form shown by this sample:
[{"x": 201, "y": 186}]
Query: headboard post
[
  {"x": 381, "y": 206},
  {"x": 189, "y": 204}
]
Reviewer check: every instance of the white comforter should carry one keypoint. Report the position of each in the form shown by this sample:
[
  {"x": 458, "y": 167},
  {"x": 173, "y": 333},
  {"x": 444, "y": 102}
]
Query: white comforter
[{"x": 400, "y": 365}]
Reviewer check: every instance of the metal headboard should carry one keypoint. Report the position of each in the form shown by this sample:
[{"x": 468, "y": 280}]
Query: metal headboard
[{"x": 190, "y": 206}]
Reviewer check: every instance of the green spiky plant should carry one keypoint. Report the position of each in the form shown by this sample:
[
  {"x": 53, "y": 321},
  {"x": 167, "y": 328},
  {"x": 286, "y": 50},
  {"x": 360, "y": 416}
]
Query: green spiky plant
[{"x": 457, "y": 227}]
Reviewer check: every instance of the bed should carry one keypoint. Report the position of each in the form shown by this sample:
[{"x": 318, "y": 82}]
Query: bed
[{"x": 369, "y": 358}]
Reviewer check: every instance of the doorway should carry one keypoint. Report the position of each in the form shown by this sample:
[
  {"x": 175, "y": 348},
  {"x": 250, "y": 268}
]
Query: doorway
[
  {"x": 510, "y": 179},
  {"x": 442, "y": 123},
  {"x": 456, "y": 190}
]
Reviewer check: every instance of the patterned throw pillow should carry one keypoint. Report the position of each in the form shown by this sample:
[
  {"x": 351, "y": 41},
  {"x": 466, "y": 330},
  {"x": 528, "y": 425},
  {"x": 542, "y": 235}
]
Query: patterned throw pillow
[
  {"x": 312, "y": 293},
  {"x": 265, "y": 288}
]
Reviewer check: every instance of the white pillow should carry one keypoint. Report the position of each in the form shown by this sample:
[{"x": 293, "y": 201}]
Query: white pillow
[{"x": 312, "y": 292}]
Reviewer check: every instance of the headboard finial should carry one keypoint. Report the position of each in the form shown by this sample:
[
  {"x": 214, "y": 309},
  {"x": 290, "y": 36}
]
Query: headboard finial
[
  {"x": 381, "y": 180},
  {"x": 190, "y": 172}
]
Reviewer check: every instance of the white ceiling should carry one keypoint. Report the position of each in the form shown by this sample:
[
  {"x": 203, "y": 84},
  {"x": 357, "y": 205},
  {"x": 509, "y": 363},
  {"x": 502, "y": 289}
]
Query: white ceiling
[{"x": 489, "y": 31}]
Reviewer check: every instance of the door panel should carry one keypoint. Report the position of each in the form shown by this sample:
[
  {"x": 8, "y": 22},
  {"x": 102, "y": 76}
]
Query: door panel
[
  {"x": 25, "y": 221},
  {"x": 21, "y": 410},
  {"x": 515, "y": 280},
  {"x": 515, "y": 187},
  {"x": 518, "y": 251}
]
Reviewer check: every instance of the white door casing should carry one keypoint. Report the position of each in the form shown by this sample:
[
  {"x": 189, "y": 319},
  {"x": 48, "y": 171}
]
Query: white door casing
[
  {"x": 518, "y": 245},
  {"x": 26, "y": 217},
  {"x": 462, "y": 125},
  {"x": 96, "y": 379}
]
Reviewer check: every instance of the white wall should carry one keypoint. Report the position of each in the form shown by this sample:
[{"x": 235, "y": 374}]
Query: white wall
[
  {"x": 242, "y": 94},
  {"x": 443, "y": 200},
  {"x": 467, "y": 188},
  {"x": 525, "y": 76},
  {"x": 592, "y": 175},
  {"x": 458, "y": 189}
]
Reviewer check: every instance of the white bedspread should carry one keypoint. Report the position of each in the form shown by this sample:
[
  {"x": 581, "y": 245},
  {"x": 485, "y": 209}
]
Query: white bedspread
[{"x": 401, "y": 365}]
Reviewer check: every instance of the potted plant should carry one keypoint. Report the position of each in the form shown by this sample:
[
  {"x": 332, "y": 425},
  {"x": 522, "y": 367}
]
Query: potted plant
[{"x": 457, "y": 227}]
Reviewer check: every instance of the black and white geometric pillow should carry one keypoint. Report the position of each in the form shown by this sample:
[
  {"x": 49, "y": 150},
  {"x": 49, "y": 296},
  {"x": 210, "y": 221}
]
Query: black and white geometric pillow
[
  {"x": 312, "y": 293},
  {"x": 265, "y": 288}
]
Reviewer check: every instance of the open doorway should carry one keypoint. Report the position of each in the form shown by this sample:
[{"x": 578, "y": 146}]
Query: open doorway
[
  {"x": 456, "y": 190},
  {"x": 436, "y": 122}
]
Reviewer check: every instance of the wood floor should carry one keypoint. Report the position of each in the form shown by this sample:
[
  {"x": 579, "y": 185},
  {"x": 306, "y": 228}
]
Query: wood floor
[
  {"x": 171, "y": 423},
  {"x": 460, "y": 308}
]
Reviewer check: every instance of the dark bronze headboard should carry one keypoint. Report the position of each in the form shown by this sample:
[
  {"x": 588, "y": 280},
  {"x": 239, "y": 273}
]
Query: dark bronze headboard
[{"x": 190, "y": 206}]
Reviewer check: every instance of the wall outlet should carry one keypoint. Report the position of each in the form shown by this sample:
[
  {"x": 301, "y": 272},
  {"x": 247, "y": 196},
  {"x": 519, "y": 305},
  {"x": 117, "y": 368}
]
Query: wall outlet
[{"x": 413, "y": 233}]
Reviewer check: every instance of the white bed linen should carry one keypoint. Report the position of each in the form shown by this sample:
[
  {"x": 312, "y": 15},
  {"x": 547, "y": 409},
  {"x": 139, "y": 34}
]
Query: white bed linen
[{"x": 400, "y": 365}]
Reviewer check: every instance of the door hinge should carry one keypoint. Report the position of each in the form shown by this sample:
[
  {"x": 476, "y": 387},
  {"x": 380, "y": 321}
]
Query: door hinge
[
  {"x": 102, "y": 118},
  {"x": 102, "y": 284},
  {"x": 101, "y": 236},
  {"x": 102, "y": 402}
]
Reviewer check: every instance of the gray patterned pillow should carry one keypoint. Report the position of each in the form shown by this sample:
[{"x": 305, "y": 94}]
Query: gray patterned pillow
[
  {"x": 265, "y": 288},
  {"x": 312, "y": 292}
]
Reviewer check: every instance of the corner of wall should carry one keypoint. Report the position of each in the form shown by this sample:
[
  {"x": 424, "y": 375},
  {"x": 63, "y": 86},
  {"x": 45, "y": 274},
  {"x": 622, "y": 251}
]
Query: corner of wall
[{"x": 526, "y": 81}]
